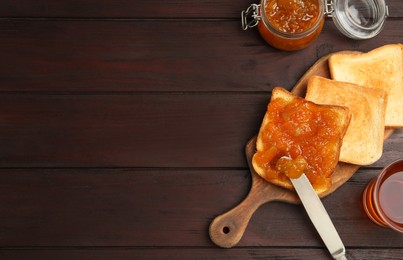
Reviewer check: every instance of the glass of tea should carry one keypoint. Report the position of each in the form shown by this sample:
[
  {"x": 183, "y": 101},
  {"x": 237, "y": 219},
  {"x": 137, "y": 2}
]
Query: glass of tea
[{"x": 383, "y": 197}]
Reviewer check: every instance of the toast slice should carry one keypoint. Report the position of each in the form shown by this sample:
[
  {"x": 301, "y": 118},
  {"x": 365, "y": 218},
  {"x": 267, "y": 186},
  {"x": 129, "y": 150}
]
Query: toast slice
[
  {"x": 297, "y": 128},
  {"x": 363, "y": 141},
  {"x": 380, "y": 68}
]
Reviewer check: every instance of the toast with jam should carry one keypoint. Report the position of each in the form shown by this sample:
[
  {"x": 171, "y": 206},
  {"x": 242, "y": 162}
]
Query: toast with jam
[{"x": 309, "y": 134}]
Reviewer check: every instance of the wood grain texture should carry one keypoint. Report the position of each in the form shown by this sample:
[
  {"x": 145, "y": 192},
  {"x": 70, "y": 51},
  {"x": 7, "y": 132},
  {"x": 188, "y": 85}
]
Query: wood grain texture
[
  {"x": 150, "y": 208},
  {"x": 186, "y": 253},
  {"x": 123, "y": 126},
  {"x": 145, "y": 130},
  {"x": 139, "y": 9},
  {"x": 193, "y": 56}
]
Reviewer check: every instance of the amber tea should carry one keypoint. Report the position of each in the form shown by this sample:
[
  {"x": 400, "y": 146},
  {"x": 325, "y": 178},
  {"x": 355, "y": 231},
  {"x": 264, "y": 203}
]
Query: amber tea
[{"x": 383, "y": 197}]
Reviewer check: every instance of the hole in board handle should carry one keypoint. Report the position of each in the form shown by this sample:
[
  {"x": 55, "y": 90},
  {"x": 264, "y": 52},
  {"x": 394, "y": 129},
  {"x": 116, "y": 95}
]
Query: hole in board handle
[{"x": 225, "y": 230}]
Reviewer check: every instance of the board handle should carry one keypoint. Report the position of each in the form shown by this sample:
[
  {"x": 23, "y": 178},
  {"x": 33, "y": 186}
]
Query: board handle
[{"x": 227, "y": 229}]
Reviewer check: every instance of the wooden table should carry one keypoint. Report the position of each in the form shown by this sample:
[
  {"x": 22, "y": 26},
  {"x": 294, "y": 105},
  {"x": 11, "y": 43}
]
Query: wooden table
[{"x": 123, "y": 126}]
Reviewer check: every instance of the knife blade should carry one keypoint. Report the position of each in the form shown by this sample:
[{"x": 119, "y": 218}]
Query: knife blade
[{"x": 319, "y": 217}]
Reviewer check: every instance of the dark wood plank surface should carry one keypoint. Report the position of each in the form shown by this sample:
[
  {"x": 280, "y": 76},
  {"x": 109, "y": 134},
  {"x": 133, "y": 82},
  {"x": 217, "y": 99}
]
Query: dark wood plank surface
[
  {"x": 198, "y": 253},
  {"x": 123, "y": 126},
  {"x": 118, "y": 130},
  {"x": 166, "y": 208},
  {"x": 143, "y": 56},
  {"x": 139, "y": 9}
]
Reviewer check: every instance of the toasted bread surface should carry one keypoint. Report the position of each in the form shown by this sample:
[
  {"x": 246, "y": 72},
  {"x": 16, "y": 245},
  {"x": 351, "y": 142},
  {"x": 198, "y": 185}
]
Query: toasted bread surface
[
  {"x": 300, "y": 138},
  {"x": 363, "y": 141},
  {"x": 380, "y": 68}
]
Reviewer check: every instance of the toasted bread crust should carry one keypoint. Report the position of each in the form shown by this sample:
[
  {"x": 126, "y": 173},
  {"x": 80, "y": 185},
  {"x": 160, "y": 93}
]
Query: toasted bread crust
[
  {"x": 363, "y": 141},
  {"x": 380, "y": 68}
]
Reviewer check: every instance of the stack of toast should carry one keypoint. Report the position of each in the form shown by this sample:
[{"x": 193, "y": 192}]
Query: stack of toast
[{"x": 370, "y": 86}]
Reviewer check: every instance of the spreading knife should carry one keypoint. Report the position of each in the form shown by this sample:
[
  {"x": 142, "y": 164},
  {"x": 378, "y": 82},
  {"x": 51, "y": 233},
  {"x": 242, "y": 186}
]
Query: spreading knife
[{"x": 319, "y": 217}]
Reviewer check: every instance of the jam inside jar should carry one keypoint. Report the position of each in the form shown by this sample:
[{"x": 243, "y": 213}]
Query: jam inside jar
[
  {"x": 291, "y": 24},
  {"x": 287, "y": 25}
]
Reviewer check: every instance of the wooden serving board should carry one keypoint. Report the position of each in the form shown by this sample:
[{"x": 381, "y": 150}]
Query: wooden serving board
[{"x": 226, "y": 230}]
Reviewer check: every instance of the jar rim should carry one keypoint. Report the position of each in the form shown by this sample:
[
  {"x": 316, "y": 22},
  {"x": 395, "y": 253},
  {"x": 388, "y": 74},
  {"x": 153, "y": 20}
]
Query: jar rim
[
  {"x": 357, "y": 21},
  {"x": 283, "y": 34}
]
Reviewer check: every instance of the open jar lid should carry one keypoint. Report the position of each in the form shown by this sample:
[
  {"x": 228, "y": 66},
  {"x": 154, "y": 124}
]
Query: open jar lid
[{"x": 358, "y": 19}]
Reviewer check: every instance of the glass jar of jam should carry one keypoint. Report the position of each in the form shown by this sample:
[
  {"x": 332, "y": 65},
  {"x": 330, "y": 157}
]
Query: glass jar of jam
[{"x": 293, "y": 24}]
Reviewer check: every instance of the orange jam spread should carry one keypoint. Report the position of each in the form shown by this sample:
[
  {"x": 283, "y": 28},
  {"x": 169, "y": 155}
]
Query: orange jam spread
[
  {"x": 305, "y": 133},
  {"x": 291, "y": 24},
  {"x": 292, "y": 168},
  {"x": 292, "y": 16}
]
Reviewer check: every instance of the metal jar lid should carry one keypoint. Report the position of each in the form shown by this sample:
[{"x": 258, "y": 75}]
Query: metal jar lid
[{"x": 358, "y": 19}]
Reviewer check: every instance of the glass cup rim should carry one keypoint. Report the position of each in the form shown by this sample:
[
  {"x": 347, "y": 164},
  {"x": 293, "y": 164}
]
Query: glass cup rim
[{"x": 394, "y": 167}]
